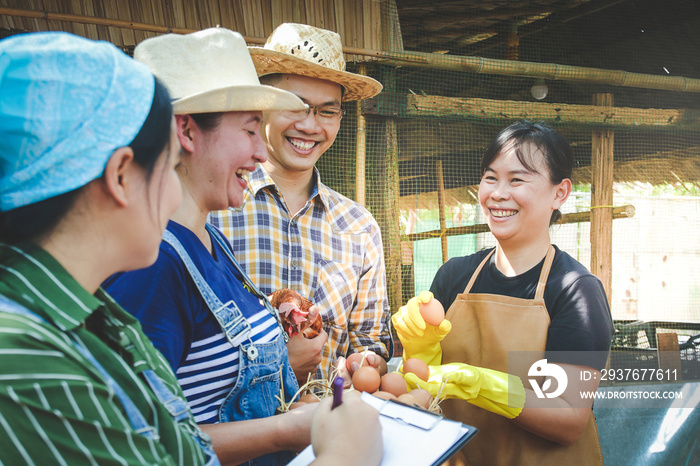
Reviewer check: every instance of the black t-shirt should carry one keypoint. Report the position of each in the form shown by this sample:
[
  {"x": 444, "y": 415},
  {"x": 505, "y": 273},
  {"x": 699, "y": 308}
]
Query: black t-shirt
[{"x": 575, "y": 299}]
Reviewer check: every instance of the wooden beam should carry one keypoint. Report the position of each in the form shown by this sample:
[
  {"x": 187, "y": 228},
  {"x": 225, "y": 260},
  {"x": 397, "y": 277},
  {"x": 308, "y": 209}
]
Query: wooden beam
[
  {"x": 601, "y": 199},
  {"x": 668, "y": 351},
  {"x": 441, "y": 207},
  {"x": 469, "y": 64},
  {"x": 93, "y": 20},
  {"x": 392, "y": 231},
  {"x": 391, "y": 36},
  {"x": 391, "y": 27},
  {"x": 360, "y": 150},
  {"x": 556, "y": 113},
  {"x": 626, "y": 211}
]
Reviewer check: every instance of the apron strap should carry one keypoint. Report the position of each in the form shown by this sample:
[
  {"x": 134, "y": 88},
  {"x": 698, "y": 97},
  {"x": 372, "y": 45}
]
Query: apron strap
[
  {"x": 478, "y": 269},
  {"x": 546, "y": 267}
]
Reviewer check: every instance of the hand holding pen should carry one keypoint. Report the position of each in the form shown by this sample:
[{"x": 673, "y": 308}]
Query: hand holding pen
[
  {"x": 338, "y": 383},
  {"x": 343, "y": 422}
]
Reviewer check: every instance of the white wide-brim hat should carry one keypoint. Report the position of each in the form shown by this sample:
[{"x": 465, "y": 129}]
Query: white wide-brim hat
[
  {"x": 211, "y": 71},
  {"x": 310, "y": 51}
]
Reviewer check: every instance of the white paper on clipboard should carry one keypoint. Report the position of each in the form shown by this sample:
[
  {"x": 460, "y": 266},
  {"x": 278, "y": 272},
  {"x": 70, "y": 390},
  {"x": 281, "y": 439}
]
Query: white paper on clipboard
[{"x": 410, "y": 436}]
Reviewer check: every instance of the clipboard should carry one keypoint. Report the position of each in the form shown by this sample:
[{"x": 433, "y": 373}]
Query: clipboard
[{"x": 410, "y": 435}]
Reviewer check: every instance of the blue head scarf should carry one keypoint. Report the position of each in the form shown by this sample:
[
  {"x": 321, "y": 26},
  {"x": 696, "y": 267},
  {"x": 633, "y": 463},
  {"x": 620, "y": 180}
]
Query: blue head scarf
[{"x": 66, "y": 103}]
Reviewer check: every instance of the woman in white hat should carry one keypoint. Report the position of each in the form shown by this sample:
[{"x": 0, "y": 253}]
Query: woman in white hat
[{"x": 217, "y": 331}]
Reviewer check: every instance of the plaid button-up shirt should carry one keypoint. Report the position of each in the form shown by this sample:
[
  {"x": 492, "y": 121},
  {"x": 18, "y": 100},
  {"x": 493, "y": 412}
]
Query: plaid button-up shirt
[{"x": 330, "y": 252}]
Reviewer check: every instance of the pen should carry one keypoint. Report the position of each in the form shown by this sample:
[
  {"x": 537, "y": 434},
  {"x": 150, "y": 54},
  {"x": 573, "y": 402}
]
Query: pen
[{"x": 337, "y": 392}]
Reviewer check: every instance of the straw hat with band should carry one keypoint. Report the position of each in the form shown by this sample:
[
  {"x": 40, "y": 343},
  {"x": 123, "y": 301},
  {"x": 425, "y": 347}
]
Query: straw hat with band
[
  {"x": 211, "y": 71},
  {"x": 310, "y": 51}
]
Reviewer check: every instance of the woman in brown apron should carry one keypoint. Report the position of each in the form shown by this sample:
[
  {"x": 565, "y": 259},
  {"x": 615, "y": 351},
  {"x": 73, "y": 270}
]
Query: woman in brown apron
[{"x": 525, "y": 297}]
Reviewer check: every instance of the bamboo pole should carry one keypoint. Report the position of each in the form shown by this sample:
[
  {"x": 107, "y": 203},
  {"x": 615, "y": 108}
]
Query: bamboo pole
[
  {"x": 94, "y": 20},
  {"x": 395, "y": 284},
  {"x": 548, "y": 71},
  {"x": 393, "y": 255},
  {"x": 625, "y": 211},
  {"x": 441, "y": 208},
  {"x": 601, "y": 199},
  {"x": 561, "y": 114},
  {"x": 479, "y": 65},
  {"x": 360, "y": 150}
]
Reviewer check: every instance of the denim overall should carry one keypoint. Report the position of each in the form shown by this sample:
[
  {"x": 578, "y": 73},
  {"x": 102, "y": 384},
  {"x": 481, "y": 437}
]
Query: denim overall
[
  {"x": 258, "y": 383},
  {"x": 176, "y": 406}
]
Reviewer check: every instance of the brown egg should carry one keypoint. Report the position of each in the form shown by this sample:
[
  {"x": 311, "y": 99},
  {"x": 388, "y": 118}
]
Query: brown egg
[
  {"x": 418, "y": 367},
  {"x": 423, "y": 397},
  {"x": 355, "y": 357},
  {"x": 393, "y": 383},
  {"x": 384, "y": 395},
  {"x": 309, "y": 398},
  {"x": 433, "y": 313},
  {"x": 409, "y": 400},
  {"x": 366, "y": 379}
]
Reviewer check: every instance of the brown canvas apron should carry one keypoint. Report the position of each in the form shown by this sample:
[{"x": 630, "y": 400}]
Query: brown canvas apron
[{"x": 485, "y": 327}]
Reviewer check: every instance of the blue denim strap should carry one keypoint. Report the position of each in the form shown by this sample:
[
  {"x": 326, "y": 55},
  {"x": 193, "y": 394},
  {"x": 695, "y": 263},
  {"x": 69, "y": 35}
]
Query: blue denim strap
[
  {"x": 234, "y": 325},
  {"x": 178, "y": 409},
  {"x": 223, "y": 242},
  {"x": 136, "y": 419},
  {"x": 176, "y": 406}
]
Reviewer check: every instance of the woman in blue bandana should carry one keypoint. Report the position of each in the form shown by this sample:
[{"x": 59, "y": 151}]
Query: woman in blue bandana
[{"x": 87, "y": 183}]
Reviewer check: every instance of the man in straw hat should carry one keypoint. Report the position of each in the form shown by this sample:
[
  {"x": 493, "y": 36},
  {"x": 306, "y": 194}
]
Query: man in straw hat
[{"x": 295, "y": 232}]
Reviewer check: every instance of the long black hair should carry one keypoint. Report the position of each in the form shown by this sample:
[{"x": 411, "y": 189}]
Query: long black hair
[
  {"x": 556, "y": 150},
  {"x": 30, "y": 222}
]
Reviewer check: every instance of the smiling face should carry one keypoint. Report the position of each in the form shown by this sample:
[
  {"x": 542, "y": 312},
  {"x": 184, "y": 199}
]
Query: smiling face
[
  {"x": 295, "y": 146},
  {"x": 518, "y": 202},
  {"x": 221, "y": 158}
]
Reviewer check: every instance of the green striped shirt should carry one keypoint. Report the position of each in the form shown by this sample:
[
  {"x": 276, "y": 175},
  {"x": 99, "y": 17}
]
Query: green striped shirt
[{"x": 55, "y": 408}]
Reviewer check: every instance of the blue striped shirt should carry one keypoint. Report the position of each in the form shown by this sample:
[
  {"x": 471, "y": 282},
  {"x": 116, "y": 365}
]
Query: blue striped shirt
[{"x": 174, "y": 315}]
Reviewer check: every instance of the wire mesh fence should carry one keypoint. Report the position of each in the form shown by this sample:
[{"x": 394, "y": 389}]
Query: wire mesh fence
[
  {"x": 421, "y": 141},
  {"x": 623, "y": 80}
]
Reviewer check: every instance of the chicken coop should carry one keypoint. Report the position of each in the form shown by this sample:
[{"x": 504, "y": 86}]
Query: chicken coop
[{"x": 620, "y": 79}]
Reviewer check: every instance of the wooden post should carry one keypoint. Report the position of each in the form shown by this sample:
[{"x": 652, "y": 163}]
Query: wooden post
[
  {"x": 391, "y": 40},
  {"x": 392, "y": 242},
  {"x": 601, "y": 200},
  {"x": 441, "y": 208},
  {"x": 361, "y": 149},
  {"x": 668, "y": 351}
]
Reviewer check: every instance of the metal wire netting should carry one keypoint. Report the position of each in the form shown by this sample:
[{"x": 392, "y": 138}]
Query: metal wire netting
[{"x": 418, "y": 146}]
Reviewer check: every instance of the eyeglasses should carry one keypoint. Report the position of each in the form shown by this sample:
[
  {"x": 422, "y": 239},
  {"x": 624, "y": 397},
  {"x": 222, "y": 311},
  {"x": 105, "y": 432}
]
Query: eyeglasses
[{"x": 325, "y": 114}]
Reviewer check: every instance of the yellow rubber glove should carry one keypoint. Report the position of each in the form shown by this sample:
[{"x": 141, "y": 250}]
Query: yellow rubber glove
[
  {"x": 419, "y": 339},
  {"x": 491, "y": 390}
]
